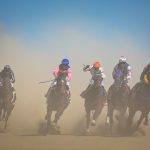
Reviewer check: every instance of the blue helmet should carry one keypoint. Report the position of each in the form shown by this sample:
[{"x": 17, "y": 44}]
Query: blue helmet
[{"x": 65, "y": 62}]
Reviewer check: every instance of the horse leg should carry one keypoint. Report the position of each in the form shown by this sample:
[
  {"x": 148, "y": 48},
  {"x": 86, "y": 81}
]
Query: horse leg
[
  {"x": 7, "y": 112},
  {"x": 143, "y": 115},
  {"x": 58, "y": 114},
  {"x": 48, "y": 118},
  {"x": 130, "y": 117},
  {"x": 0, "y": 113},
  {"x": 96, "y": 114},
  {"x": 146, "y": 120},
  {"x": 122, "y": 114},
  {"x": 6, "y": 119},
  {"x": 4, "y": 114},
  {"x": 109, "y": 119},
  {"x": 88, "y": 121}
]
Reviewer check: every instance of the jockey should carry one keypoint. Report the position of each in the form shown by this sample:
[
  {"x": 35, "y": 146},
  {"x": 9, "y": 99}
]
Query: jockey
[
  {"x": 122, "y": 71},
  {"x": 95, "y": 69},
  {"x": 64, "y": 66},
  {"x": 8, "y": 71},
  {"x": 145, "y": 75}
]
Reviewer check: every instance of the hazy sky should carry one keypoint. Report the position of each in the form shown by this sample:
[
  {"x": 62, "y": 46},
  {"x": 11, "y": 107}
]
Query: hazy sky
[
  {"x": 82, "y": 30},
  {"x": 28, "y": 18}
]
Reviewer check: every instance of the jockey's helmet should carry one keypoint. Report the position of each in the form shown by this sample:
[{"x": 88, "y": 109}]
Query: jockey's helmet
[
  {"x": 97, "y": 65},
  {"x": 65, "y": 61},
  {"x": 7, "y": 67},
  {"x": 122, "y": 59}
]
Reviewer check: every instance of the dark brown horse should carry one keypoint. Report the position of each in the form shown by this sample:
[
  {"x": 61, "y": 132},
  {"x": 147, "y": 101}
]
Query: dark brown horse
[
  {"x": 118, "y": 97},
  {"x": 94, "y": 102},
  {"x": 6, "y": 96},
  {"x": 57, "y": 101},
  {"x": 139, "y": 101}
]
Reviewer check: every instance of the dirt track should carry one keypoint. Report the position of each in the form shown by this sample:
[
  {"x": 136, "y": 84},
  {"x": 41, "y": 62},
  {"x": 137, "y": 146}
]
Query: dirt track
[
  {"x": 68, "y": 142},
  {"x": 22, "y": 135}
]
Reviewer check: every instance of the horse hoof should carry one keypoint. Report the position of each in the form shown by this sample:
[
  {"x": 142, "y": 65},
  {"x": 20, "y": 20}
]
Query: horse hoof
[
  {"x": 53, "y": 124},
  {"x": 117, "y": 117},
  {"x": 145, "y": 123},
  {"x": 107, "y": 121},
  {"x": 58, "y": 131},
  {"x": 46, "y": 117},
  {"x": 93, "y": 123},
  {"x": 87, "y": 132},
  {"x": 105, "y": 104},
  {"x": 107, "y": 124}
]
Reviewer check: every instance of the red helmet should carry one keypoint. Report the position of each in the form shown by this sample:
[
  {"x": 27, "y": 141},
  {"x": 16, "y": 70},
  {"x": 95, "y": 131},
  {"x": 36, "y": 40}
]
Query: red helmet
[{"x": 97, "y": 64}]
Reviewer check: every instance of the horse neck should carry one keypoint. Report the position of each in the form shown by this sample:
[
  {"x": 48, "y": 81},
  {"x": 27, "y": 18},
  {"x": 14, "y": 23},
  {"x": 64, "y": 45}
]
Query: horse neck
[
  {"x": 146, "y": 89},
  {"x": 61, "y": 86},
  {"x": 7, "y": 90},
  {"x": 94, "y": 91},
  {"x": 6, "y": 83}
]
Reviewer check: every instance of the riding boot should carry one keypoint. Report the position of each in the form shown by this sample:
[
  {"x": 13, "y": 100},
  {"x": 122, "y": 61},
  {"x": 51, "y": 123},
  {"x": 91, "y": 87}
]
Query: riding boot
[
  {"x": 48, "y": 92},
  {"x": 104, "y": 90},
  {"x": 84, "y": 93},
  {"x": 14, "y": 95},
  {"x": 68, "y": 92},
  {"x": 109, "y": 94}
]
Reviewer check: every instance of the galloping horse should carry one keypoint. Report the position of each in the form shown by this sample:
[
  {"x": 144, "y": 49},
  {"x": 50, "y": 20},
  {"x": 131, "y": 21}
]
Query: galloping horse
[
  {"x": 117, "y": 100},
  {"x": 139, "y": 101},
  {"x": 58, "y": 101},
  {"x": 94, "y": 102},
  {"x": 6, "y": 99}
]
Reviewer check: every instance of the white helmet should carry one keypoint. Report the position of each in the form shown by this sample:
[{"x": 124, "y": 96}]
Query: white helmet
[
  {"x": 122, "y": 59},
  {"x": 7, "y": 67}
]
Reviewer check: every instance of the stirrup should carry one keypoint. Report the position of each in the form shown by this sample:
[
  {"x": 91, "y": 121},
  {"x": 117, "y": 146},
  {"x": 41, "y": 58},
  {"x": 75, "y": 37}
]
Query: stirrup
[{"x": 83, "y": 94}]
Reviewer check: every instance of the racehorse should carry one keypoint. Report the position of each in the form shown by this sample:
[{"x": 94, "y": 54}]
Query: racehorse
[
  {"x": 139, "y": 101},
  {"x": 6, "y": 96},
  {"x": 58, "y": 101},
  {"x": 94, "y": 102},
  {"x": 117, "y": 100}
]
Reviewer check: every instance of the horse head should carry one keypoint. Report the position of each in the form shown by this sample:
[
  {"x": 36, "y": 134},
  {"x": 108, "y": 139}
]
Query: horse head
[
  {"x": 118, "y": 83},
  {"x": 97, "y": 81}
]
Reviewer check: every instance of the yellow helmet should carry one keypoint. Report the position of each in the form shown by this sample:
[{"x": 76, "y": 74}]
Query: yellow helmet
[{"x": 146, "y": 79}]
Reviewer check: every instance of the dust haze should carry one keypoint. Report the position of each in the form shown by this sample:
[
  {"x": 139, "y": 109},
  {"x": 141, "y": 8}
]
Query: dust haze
[{"x": 35, "y": 62}]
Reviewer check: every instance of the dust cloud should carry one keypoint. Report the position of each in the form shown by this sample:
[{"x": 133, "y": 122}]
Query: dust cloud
[{"x": 32, "y": 64}]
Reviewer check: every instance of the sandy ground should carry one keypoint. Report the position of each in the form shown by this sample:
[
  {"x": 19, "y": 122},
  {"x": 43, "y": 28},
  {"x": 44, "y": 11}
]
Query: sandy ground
[
  {"x": 68, "y": 142},
  {"x": 30, "y": 139}
]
